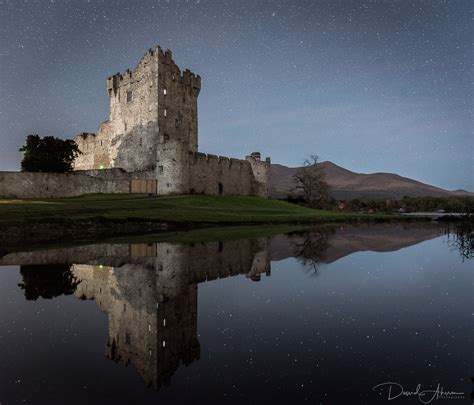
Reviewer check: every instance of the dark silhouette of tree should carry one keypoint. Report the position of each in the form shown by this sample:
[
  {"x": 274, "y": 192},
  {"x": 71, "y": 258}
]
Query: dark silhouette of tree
[
  {"x": 47, "y": 281},
  {"x": 48, "y": 154},
  {"x": 458, "y": 204},
  {"x": 311, "y": 181}
]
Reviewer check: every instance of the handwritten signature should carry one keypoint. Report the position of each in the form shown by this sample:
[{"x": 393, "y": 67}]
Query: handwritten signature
[{"x": 396, "y": 390}]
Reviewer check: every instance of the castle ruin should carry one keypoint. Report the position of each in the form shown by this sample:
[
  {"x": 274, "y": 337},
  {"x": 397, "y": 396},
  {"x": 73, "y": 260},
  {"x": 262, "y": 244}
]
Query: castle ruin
[{"x": 152, "y": 131}]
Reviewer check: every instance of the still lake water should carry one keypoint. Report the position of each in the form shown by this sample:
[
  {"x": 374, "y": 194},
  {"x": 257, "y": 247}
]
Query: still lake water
[{"x": 320, "y": 316}]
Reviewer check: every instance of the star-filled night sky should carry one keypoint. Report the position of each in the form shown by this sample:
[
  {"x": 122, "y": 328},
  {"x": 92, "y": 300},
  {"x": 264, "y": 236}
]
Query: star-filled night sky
[{"x": 374, "y": 86}]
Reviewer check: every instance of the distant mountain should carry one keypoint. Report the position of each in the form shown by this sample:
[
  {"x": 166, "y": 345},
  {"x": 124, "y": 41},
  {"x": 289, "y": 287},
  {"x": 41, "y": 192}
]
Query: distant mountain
[{"x": 348, "y": 185}]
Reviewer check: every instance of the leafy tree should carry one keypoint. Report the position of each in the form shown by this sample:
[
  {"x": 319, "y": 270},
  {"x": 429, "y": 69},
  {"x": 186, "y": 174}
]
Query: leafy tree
[
  {"x": 310, "y": 179},
  {"x": 356, "y": 205},
  {"x": 48, "y": 154}
]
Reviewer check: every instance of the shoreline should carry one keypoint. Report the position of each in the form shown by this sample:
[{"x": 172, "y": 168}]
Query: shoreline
[
  {"x": 93, "y": 217},
  {"x": 49, "y": 231}
]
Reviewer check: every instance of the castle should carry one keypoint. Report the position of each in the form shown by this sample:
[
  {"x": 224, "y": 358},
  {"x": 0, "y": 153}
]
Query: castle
[{"x": 152, "y": 132}]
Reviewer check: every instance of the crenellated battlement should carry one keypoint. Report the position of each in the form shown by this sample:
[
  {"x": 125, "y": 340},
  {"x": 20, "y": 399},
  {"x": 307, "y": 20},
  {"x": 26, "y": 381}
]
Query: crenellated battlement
[
  {"x": 184, "y": 78},
  {"x": 85, "y": 135},
  {"x": 209, "y": 158}
]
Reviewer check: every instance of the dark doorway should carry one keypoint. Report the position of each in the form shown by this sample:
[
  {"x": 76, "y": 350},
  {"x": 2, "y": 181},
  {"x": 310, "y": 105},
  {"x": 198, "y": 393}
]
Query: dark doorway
[{"x": 221, "y": 188}]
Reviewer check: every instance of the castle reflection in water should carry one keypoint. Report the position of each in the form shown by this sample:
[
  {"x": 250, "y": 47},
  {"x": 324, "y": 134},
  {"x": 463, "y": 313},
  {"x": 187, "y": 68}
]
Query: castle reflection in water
[
  {"x": 150, "y": 290},
  {"x": 151, "y": 298}
]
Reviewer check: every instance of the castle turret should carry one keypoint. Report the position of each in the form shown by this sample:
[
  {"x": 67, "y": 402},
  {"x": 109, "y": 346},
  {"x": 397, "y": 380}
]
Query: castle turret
[{"x": 261, "y": 172}]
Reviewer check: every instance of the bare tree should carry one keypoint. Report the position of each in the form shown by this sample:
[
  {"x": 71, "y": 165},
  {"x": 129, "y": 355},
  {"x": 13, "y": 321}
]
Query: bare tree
[
  {"x": 310, "y": 247},
  {"x": 310, "y": 179},
  {"x": 461, "y": 236}
]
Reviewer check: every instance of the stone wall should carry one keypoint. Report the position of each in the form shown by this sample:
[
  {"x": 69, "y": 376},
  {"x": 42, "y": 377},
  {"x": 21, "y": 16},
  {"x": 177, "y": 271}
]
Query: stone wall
[
  {"x": 119, "y": 174},
  {"x": 203, "y": 174},
  {"x": 58, "y": 185},
  {"x": 87, "y": 145},
  {"x": 128, "y": 139},
  {"x": 218, "y": 175}
]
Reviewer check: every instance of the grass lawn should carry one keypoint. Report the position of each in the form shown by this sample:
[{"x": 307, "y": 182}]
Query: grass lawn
[{"x": 177, "y": 209}]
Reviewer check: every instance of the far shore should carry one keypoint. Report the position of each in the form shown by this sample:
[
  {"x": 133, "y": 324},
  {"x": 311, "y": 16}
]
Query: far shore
[{"x": 434, "y": 214}]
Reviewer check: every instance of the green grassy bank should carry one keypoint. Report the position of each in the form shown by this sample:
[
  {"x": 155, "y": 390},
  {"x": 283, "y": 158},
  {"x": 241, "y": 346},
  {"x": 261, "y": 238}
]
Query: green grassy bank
[{"x": 176, "y": 209}]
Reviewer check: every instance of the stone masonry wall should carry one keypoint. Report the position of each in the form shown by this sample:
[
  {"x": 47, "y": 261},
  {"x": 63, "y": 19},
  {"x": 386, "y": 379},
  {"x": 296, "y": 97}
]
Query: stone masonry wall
[
  {"x": 58, "y": 185},
  {"x": 129, "y": 138},
  {"x": 218, "y": 175},
  {"x": 215, "y": 175}
]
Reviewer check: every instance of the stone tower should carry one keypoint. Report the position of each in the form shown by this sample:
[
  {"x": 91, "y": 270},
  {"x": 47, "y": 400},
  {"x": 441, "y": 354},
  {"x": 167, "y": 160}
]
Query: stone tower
[
  {"x": 152, "y": 135},
  {"x": 150, "y": 106}
]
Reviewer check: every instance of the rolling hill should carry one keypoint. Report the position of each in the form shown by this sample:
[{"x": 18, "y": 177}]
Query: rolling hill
[{"x": 348, "y": 185}]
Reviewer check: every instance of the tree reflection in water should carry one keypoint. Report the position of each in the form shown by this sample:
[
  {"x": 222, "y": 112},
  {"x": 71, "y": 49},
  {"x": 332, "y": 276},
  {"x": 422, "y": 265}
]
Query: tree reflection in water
[
  {"x": 461, "y": 237},
  {"x": 309, "y": 248},
  {"x": 47, "y": 281}
]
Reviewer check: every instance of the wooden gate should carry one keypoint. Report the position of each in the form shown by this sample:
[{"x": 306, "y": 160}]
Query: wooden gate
[
  {"x": 143, "y": 250},
  {"x": 143, "y": 186}
]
